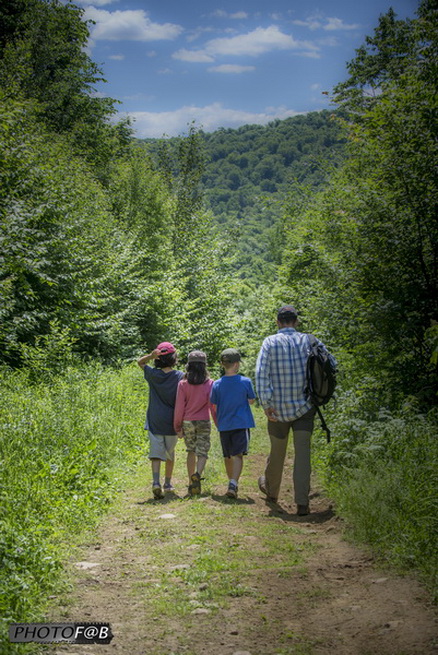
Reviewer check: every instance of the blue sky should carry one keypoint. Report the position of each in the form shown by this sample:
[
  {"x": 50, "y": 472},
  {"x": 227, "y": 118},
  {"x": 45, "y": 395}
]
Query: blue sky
[{"x": 226, "y": 63}]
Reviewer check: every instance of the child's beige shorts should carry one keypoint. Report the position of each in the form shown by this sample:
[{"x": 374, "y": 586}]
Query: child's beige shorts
[
  {"x": 197, "y": 437},
  {"x": 162, "y": 446}
]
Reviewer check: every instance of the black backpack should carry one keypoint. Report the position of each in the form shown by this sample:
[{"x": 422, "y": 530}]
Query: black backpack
[{"x": 320, "y": 378}]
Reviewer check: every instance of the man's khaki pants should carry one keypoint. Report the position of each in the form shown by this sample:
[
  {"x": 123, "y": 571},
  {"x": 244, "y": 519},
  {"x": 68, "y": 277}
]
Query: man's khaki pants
[{"x": 279, "y": 434}]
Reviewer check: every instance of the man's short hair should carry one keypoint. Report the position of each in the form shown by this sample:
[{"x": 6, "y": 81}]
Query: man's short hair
[{"x": 287, "y": 314}]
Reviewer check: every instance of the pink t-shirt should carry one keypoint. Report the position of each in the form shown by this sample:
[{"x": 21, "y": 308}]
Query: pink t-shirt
[{"x": 192, "y": 403}]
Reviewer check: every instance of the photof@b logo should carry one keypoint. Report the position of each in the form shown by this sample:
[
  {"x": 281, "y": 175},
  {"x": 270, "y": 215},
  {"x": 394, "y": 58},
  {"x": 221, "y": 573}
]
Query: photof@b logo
[{"x": 71, "y": 633}]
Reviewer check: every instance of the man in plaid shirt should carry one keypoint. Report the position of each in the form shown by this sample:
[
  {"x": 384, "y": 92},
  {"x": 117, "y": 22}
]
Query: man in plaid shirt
[{"x": 281, "y": 382}]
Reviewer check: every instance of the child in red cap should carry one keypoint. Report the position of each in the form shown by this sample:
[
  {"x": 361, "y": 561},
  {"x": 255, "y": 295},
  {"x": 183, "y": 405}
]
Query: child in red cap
[{"x": 163, "y": 382}]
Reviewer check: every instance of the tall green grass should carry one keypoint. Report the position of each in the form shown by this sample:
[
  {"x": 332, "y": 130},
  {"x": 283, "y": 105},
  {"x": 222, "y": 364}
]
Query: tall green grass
[
  {"x": 65, "y": 444},
  {"x": 382, "y": 470}
]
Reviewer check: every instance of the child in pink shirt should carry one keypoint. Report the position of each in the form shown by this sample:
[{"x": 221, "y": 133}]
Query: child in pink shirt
[{"x": 192, "y": 416}]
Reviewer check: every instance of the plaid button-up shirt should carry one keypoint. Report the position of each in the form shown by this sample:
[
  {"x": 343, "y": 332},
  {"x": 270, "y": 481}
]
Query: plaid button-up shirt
[{"x": 281, "y": 373}]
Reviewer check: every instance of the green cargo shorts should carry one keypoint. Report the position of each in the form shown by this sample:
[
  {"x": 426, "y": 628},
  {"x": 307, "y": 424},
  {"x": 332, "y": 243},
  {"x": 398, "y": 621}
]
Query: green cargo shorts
[{"x": 197, "y": 437}]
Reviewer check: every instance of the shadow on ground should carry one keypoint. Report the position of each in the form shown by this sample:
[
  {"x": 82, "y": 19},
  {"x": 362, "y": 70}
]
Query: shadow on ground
[
  {"x": 171, "y": 497},
  {"x": 233, "y": 501},
  {"x": 314, "y": 517}
]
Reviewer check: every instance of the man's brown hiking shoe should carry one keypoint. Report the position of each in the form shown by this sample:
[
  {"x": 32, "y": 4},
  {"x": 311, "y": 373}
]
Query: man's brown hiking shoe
[{"x": 262, "y": 487}]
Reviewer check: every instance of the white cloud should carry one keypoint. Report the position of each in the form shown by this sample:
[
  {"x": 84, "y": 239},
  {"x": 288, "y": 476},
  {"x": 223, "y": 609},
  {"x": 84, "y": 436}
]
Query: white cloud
[
  {"x": 198, "y": 32},
  {"x": 330, "y": 41},
  {"x": 132, "y": 25},
  {"x": 312, "y": 54},
  {"x": 338, "y": 24},
  {"x": 194, "y": 56},
  {"x": 142, "y": 97},
  {"x": 97, "y": 3},
  {"x": 258, "y": 42},
  {"x": 310, "y": 23},
  {"x": 117, "y": 57},
  {"x": 318, "y": 22},
  {"x": 209, "y": 118},
  {"x": 220, "y": 13},
  {"x": 239, "y": 15},
  {"x": 231, "y": 68},
  {"x": 254, "y": 43}
]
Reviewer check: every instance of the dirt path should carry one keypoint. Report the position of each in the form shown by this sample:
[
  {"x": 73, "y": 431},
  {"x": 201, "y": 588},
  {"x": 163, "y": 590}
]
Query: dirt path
[{"x": 220, "y": 577}]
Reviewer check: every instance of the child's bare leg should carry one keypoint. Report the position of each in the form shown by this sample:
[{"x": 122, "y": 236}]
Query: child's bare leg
[
  {"x": 168, "y": 475},
  {"x": 195, "y": 472},
  {"x": 169, "y": 468},
  {"x": 191, "y": 463},
  {"x": 229, "y": 466},
  {"x": 236, "y": 466},
  {"x": 200, "y": 466},
  {"x": 156, "y": 463}
]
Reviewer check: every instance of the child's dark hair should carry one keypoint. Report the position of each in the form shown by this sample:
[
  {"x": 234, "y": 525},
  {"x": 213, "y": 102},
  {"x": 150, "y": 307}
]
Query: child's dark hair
[
  {"x": 165, "y": 361},
  {"x": 196, "y": 372}
]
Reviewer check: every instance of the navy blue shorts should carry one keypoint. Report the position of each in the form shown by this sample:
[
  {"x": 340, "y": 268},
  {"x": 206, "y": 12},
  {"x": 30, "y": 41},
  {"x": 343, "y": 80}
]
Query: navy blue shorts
[{"x": 235, "y": 442}]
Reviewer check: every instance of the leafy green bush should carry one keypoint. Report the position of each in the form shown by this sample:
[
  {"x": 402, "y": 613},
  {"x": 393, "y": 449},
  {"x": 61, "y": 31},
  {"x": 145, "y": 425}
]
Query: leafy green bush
[
  {"x": 382, "y": 471},
  {"x": 64, "y": 446}
]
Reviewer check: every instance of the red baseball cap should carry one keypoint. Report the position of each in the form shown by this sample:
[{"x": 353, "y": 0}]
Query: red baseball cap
[{"x": 166, "y": 348}]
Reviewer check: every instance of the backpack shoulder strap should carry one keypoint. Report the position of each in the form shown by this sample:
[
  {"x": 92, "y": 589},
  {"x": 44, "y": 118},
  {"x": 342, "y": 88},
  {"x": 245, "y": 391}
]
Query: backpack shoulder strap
[{"x": 324, "y": 425}]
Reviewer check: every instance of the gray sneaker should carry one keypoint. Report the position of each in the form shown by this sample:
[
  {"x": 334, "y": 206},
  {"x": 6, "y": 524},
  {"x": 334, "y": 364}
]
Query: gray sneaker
[
  {"x": 157, "y": 491},
  {"x": 232, "y": 490}
]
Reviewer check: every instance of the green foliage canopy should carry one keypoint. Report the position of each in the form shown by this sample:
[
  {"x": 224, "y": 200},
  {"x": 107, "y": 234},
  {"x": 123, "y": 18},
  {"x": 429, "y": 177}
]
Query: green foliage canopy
[{"x": 362, "y": 255}]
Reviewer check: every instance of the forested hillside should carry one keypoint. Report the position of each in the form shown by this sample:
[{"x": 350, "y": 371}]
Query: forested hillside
[
  {"x": 249, "y": 172},
  {"x": 108, "y": 246}
]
